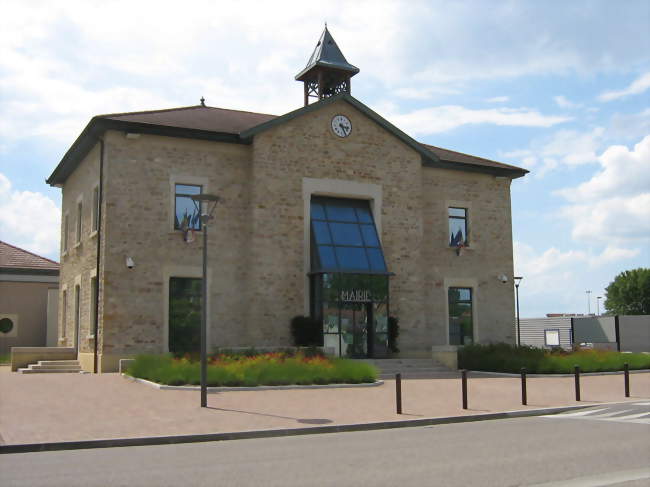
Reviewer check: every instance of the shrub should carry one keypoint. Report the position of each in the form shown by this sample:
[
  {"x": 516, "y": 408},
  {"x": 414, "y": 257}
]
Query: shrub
[
  {"x": 263, "y": 369},
  {"x": 502, "y": 357},
  {"x": 306, "y": 332}
]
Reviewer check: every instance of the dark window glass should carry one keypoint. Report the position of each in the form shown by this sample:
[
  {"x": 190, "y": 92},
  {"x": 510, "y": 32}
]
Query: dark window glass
[
  {"x": 461, "y": 329},
  {"x": 458, "y": 227},
  {"x": 321, "y": 232},
  {"x": 376, "y": 260},
  {"x": 184, "y": 315},
  {"x": 364, "y": 215},
  {"x": 317, "y": 211},
  {"x": 370, "y": 235},
  {"x": 341, "y": 213},
  {"x": 327, "y": 259},
  {"x": 186, "y": 215},
  {"x": 346, "y": 234}
]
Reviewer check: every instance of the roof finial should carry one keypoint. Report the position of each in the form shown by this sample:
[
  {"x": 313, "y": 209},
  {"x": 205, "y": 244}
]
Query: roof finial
[
  {"x": 326, "y": 24},
  {"x": 202, "y": 101}
]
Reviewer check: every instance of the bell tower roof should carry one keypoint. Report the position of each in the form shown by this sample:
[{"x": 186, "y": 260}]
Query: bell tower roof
[{"x": 326, "y": 55}]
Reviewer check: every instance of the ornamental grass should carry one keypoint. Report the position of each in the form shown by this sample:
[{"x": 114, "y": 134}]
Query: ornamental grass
[
  {"x": 270, "y": 369},
  {"x": 503, "y": 357}
]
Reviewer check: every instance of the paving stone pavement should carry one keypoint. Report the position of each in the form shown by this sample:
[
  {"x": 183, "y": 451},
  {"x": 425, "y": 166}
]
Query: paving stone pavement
[{"x": 74, "y": 407}]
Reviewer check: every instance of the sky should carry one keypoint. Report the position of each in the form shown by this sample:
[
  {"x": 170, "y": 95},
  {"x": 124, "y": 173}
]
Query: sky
[{"x": 561, "y": 88}]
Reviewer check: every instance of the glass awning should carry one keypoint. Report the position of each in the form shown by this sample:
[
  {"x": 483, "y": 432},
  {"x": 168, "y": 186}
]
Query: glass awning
[{"x": 344, "y": 237}]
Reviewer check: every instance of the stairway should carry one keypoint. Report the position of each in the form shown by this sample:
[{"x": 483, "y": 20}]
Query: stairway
[
  {"x": 52, "y": 366},
  {"x": 410, "y": 368}
]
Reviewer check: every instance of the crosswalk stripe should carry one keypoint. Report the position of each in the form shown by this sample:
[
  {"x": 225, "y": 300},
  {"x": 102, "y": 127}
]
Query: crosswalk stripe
[
  {"x": 629, "y": 416},
  {"x": 614, "y": 413},
  {"x": 573, "y": 415}
]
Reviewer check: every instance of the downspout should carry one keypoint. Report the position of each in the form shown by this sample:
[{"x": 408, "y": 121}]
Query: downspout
[{"x": 99, "y": 240}]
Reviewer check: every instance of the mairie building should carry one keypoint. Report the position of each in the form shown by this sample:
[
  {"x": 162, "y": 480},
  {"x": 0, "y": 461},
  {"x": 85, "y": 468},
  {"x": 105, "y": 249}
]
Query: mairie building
[{"x": 328, "y": 211}]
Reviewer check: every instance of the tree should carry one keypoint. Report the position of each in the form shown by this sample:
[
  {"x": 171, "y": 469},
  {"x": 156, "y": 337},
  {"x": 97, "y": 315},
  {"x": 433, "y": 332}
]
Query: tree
[{"x": 629, "y": 293}]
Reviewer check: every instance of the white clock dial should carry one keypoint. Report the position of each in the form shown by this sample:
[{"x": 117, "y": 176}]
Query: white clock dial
[{"x": 341, "y": 125}]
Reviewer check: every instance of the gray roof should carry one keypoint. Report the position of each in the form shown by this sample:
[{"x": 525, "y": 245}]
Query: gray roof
[{"x": 327, "y": 54}]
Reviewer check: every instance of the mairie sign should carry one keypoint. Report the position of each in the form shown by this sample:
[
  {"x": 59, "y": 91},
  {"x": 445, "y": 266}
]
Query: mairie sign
[{"x": 356, "y": 295}]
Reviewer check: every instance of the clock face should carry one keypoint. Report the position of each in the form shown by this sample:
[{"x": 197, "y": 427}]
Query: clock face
[{"x": 341, "y": 125}]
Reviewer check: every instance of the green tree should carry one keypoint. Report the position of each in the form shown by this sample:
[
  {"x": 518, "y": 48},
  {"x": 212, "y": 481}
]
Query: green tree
[{"x": 629, "y": 293}]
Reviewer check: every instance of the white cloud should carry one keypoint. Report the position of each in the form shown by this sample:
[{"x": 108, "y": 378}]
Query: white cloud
[
  {"x": 613, "y": 206},
  {"x": 630, "y": 126},
  {"x": 563, "y": 102},
  {"x": 29, "y": 220},
  {"x": 565, "y": 147},
  {"x": 498, "y": 99},
  {"x": 638, "y": 86},
  {"x": 448, "y": 117}
]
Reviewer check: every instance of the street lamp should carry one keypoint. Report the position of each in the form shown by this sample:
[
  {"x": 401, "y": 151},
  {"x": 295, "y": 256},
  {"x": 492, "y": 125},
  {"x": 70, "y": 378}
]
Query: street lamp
[
  {"x": 588, "y": 303},
  {"x": 517, "y": 280},
  {"x": 205, "y": 205},
  {"x": 598, "y": 298}
]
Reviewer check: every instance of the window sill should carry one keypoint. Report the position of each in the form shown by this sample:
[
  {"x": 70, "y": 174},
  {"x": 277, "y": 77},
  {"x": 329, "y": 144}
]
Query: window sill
[
  {"x": 77, "y": 245},
  {"x": 93, "y": 234}
]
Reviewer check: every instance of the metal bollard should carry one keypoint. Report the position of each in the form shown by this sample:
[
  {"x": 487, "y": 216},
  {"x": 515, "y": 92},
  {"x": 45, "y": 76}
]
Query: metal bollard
[
  {"x": 464, "y": 382},
  {"x": 524, "y": 398},
  {"x": 398, "y": 392},
  {"x": 576, "y": 371},
  {"x": 626, "y": 368}
]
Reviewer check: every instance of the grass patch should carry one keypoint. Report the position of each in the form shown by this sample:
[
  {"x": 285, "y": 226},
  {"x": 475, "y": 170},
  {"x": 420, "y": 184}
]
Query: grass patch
[
  {"x": 5, "y": 358},
  {"x": 502, "y": 357},
  {"x": 237, "y": 370}
]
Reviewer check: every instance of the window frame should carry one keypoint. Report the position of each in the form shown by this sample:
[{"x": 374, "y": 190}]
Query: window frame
[
  {"x": 66, "y": 232},
  {"x": 175, "y": 197},
  {"x": 79, "y": 222},
  {"x": 94, "y": 215},
  {"x": 471, "y": 303},
  {"x": 465, "y": 219}
]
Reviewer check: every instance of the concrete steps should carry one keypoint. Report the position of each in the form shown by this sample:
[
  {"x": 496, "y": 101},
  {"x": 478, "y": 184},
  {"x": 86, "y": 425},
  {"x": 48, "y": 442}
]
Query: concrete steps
[
  {"x": 52, "y": 367},
  {"x": 410, "y": 368}
]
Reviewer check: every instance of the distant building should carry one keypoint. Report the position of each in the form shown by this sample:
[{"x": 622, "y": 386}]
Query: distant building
[
  {"x": 329, "y": 211},
  {"x": 29, "y": 286}
]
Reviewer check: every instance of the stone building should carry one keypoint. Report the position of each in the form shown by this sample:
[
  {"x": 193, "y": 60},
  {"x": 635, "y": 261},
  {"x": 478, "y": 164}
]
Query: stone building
[{"x": 328, "y": 211}]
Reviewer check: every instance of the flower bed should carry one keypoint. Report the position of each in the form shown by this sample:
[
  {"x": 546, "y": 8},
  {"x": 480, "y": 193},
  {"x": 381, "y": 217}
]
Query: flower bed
[
  {"x": 502, "y": 357},
  {"x": 227, "y": 370}
]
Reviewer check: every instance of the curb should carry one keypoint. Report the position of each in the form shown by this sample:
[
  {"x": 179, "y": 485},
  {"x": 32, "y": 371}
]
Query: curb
[
  {"x": 582, "y": 374},
  {"x": 242, "y": 435},
  {"x": 164, "y": 387}
]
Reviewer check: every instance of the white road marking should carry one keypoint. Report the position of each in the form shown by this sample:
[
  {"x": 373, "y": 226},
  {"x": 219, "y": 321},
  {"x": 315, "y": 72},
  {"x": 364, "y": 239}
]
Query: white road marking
[
  {"x": 574, "y": 415},
  {"x": 629, "y": 416},
  {"x": 641, "y": 403},
  {"x": 611, "y": 478}
]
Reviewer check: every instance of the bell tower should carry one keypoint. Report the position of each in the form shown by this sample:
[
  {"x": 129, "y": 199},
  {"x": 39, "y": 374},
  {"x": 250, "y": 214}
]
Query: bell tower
[{"x": 327, "y": 72}]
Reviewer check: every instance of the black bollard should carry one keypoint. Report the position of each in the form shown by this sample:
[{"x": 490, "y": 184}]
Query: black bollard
[
  {"x": 626, "y": 368},
  {"x": 464, "y": 381},
  {"x": 576, "y": 371},
  {"x": 398, "y": 392},
  {"x": 524, "y": 398}
]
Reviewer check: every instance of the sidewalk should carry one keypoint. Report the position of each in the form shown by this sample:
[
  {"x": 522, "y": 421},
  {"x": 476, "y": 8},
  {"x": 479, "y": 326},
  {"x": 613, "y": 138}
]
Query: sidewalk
[{"x": 42, "y": 408}]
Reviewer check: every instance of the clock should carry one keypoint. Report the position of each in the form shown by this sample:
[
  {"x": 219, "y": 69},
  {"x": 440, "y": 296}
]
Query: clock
[{"x": 341, "y": 125}]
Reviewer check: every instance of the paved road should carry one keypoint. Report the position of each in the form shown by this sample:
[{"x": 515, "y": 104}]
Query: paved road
[{"x": 525, "y": 451}]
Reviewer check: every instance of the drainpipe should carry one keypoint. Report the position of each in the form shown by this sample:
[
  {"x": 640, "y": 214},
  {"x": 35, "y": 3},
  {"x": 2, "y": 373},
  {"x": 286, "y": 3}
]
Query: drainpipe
[{"x": 99, "y": 240}]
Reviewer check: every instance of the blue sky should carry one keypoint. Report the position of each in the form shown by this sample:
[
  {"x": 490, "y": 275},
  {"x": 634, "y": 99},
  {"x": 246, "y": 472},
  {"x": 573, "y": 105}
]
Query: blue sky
[{"x": 561, "y": 88}]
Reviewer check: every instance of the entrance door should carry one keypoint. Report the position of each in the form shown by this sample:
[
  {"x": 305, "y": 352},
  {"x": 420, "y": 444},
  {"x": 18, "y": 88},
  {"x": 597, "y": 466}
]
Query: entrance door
[{"x": 358, "y": 330}]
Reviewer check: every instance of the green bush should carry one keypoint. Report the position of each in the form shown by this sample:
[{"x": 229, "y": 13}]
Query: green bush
[
  {"x": 262, "y": 369},
  {"x": 502, "y": 357}
]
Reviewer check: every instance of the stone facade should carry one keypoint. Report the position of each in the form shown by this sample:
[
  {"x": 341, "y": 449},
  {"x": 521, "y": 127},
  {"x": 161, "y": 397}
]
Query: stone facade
[{"x": 259, "y": 241}]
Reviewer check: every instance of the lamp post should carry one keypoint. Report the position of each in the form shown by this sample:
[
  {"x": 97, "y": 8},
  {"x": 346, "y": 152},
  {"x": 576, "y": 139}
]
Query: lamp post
[
  {"x": 588, "y": 303},
  {"x": 598, "y": 298},
  {"x": 205, "y": 205},
  {"x": 517, "y": 280}
]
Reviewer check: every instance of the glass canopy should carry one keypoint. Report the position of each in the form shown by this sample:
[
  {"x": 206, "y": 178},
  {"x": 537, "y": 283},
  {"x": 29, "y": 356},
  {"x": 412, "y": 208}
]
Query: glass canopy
[{"x": 344, "y": 237}]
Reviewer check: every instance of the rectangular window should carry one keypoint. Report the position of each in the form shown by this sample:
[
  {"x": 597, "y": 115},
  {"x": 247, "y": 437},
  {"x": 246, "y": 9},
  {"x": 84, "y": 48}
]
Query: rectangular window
[
  {"x": 458, "y": 227},
  {"x": 77, "y": 313},
  {"x": 95, "y": 213},
  {"x": 552, "y": 338},
  {"x": 79, "y": 215},
  {"x": 186, "y": 215},
  {"x": 184, "y": 315},
  {"x": 461, "y": 328},
  {"x": 64, "y": 313},
  {"x": 93, "y": 304},
  {"x": 66, "y": 231}
]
